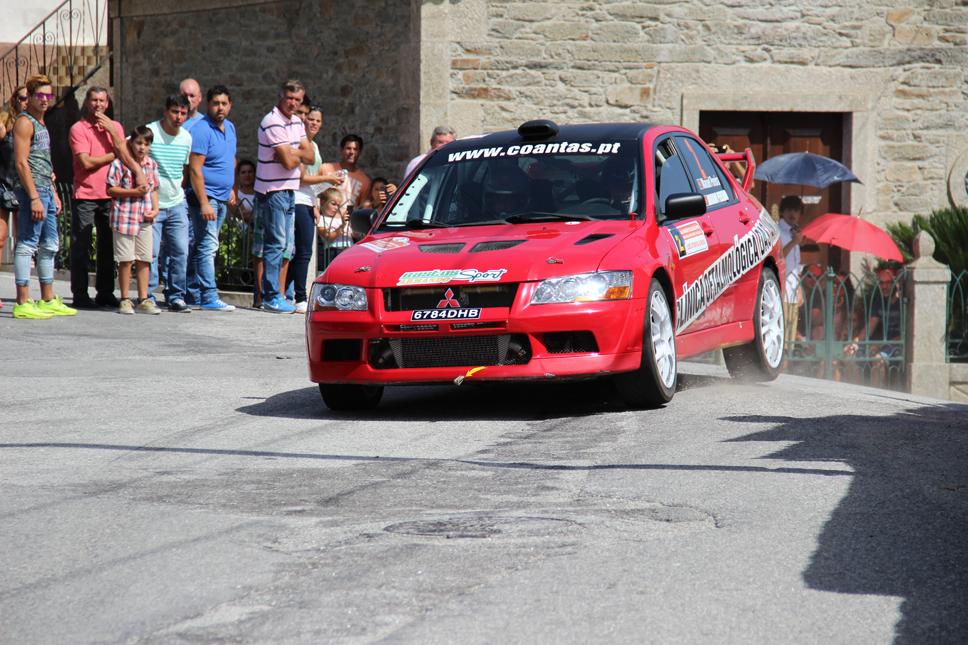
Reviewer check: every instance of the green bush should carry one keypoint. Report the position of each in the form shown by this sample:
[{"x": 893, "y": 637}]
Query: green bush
[{"x": 948, "y": 227}]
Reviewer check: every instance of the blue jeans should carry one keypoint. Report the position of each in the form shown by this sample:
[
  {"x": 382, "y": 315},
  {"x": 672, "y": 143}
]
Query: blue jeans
[
  {"x": 278, "y": 209},
  {"x": 305, "y": 236},
  {"x": 36, "y": 238},
  {"x": 202, "y": 289},
  {"x": 172, "y": 224}
]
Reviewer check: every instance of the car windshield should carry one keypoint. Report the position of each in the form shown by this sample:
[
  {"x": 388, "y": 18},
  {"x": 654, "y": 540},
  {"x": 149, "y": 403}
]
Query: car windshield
[{"x": 521, "y": 183}]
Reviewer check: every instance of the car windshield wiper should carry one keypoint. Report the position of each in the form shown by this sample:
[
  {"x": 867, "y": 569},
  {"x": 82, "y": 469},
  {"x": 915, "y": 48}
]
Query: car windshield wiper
[
  {"x": 416, "y": 223},
  {"x": 488, "y": 222},
  {"x": 537, "y": 216}
]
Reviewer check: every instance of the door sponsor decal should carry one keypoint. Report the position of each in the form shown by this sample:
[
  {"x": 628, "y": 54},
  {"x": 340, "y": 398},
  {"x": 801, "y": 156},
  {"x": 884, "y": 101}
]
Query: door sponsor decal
[
  {"x": 443, "y": 276},
  {"x": 689, "y": 238},
  {"x": 745, "y": 254},
  {"x": 386, "y": 244}
]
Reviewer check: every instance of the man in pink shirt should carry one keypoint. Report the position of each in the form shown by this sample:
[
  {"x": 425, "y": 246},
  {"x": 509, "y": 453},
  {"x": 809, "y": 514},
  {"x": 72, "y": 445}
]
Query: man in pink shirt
[{"x": 96, "y": 141}]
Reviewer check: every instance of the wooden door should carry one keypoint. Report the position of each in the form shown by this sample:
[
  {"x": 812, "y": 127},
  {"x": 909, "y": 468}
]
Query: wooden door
[{"x": 769, "y": 134}]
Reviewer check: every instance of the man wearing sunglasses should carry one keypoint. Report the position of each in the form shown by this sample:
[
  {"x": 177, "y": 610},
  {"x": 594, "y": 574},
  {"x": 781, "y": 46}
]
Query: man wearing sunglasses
[
  {"x": 39, "y": 205},
  {"x": 96, "y": 140}
]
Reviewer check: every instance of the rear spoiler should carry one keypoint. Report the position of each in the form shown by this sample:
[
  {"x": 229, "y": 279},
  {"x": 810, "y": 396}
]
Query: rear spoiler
[{"x": 747, "y": 157}]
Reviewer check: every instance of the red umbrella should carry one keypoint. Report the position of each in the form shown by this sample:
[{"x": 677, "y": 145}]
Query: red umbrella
[{"x": 854, "y": 234}]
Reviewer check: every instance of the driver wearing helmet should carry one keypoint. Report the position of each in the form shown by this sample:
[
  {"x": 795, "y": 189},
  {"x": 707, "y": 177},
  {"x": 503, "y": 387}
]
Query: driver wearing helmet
[
  {"x": 617, "y": 177},
  {"x": 506, "y": 191}
]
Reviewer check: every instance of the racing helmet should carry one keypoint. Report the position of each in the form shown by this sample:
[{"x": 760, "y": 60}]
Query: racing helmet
[{"x": 506, "y": 190}]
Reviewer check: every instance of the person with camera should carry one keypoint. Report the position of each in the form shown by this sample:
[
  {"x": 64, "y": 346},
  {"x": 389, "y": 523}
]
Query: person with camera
[
  {"x": 791, "y": 209},
  {"x": 333, "y": 228}
]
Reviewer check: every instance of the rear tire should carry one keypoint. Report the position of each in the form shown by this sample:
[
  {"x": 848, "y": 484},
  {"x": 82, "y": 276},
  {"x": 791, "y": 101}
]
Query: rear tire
[
  {"x": 351, "y": 397},
  {"x": 760, "y": 359},
  {"x": 654, "y": 383}
]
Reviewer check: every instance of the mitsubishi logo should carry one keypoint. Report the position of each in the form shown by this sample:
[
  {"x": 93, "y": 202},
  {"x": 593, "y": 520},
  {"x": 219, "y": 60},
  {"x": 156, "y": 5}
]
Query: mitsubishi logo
[{"x": 448, "y": 301}]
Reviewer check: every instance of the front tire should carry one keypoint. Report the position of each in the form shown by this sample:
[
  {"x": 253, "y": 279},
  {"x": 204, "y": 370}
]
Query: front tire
[
  {"x": 654, "y": 383},
  {"x": 760, "y": 359},
  {"x": 351, "y": 397}
]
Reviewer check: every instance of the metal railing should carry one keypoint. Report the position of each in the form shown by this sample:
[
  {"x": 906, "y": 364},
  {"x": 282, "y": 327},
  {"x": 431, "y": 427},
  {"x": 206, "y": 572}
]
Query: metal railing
[
  {"x": 71, "y": 41},
  {"x": 850, "y": 328},
  {"x": 956, "y": 345}
]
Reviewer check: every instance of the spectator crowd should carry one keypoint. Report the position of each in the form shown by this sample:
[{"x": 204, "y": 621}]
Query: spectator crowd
[{"x": 155, "y": 200}]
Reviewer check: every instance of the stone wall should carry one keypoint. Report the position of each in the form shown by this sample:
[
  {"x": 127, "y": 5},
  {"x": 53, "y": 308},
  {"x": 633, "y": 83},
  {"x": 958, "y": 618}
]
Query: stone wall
[
  {"x": 898, "y": 69},
  {"x": 353, "y": 58}
]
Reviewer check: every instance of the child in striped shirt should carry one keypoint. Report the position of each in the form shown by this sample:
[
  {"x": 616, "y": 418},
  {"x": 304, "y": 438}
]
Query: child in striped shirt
[{"x": 133, "y": 209}]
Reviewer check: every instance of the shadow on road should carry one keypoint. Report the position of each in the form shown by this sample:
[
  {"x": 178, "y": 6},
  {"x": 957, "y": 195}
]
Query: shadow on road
[
  {"x": 902, "y": 529},
  {"x": 472, "y": 401}
]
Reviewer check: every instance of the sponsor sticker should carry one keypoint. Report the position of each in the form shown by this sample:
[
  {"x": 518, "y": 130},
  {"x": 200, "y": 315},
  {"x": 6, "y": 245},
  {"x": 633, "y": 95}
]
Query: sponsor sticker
[
  {"x": 443, "y": 276},
  {"x": 689, "y": 238},
  {"x": 718, "y": 197},
  {"x": 386, "y": 244},
  {"x": 745, "y": 254},
  {"x": 706, "y": 183},
  {"x": 464, "y": 313}
]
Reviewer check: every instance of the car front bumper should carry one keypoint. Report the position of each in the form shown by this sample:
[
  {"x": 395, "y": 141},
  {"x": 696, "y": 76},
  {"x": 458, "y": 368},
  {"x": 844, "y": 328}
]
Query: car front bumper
[{"x": 615, "y": 326}]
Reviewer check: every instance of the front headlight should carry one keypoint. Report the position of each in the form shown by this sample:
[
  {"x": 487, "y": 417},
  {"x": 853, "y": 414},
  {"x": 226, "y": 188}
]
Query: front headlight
[
  {"x": 584, "y": 287},
  {"x": 338, "y": 296}
]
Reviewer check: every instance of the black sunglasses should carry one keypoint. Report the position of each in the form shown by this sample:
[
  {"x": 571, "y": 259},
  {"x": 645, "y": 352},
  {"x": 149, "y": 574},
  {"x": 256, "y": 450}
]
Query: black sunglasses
[{"x": 21, "y": 97}]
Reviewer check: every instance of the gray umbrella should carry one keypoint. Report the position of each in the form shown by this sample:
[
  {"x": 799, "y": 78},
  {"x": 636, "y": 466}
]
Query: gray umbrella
[{"x": 804, "y": 168}]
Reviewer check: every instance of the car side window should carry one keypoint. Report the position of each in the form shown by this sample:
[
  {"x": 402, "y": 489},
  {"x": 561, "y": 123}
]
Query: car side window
[
  {"x": 705, "y": 173},
  {"x": 670, "y": 174}
]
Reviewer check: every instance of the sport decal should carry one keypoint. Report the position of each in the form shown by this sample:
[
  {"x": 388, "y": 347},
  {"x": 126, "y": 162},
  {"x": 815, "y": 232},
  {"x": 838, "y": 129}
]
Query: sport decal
[
  {"x": 743, "y": 255},
  {"x": 386, "y": 244},
  {"x": 443, "y": 276},
  {"x": 689, "y": 238}
]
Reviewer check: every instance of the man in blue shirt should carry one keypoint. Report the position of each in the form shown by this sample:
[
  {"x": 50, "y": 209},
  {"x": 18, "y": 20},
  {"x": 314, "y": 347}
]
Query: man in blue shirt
[{"x": 211, "y": 168}]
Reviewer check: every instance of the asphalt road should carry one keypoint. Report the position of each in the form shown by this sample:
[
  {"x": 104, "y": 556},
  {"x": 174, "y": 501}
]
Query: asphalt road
[{"x": 177, "y": 479}]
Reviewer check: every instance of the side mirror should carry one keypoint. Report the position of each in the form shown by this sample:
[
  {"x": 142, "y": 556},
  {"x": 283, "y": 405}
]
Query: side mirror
[
  {"x": 361, "y": 221},
  {"x": 685, "y": 205}
]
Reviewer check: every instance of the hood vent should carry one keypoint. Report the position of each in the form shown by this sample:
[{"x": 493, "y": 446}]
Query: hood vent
[
  {"x": 594, "y": 237},
  {"x": 497, "y": 245},
  {"x": 441, "y": 248}
]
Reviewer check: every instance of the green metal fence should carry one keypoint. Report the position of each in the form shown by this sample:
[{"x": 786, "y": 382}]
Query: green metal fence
[
  {"x": 957, "y": 326},
  {"x": 850, "y": 328}
]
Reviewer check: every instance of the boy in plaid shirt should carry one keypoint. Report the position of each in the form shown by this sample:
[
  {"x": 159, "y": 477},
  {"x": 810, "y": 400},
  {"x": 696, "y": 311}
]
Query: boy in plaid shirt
[{"x": 130, "y": 208}]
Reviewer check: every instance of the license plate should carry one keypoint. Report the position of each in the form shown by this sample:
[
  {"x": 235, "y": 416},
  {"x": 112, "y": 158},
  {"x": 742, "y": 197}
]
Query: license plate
[{"x": 464, "y": 313}]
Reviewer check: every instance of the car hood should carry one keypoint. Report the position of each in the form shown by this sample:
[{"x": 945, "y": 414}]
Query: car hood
[{"x": 479, "y": 254}]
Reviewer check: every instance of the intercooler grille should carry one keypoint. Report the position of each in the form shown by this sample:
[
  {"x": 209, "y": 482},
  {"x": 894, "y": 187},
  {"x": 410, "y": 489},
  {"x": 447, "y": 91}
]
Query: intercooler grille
[{"x": 455, "y": 351}]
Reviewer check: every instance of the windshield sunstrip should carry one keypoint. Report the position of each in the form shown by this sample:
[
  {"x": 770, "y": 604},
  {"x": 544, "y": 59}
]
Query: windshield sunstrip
[{"x": 564, "y": 147}]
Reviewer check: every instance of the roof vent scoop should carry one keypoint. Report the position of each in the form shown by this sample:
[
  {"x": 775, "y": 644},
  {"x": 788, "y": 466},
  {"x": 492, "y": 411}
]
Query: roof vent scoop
[{"x": 538, "y": 129}]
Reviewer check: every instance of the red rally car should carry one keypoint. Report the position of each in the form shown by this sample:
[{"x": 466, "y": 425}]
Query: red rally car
[{"x": 552, "y": 252}]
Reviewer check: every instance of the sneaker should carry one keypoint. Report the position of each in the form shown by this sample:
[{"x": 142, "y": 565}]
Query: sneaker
[
  {"x": 56, "y": 307},
  {"x": 147, "y": 306},
  {"x": 179, "y": 307},
  {"x": 126, "y": 307},
  {"x": 301, "y": 307},
  {"x": 29, "y": 310},
  {"x": 83, "y": 302},
  {"x": 278, "y": 305},
  {"x": 218, "y": 305},
  {"x": 107, "y": 300}
]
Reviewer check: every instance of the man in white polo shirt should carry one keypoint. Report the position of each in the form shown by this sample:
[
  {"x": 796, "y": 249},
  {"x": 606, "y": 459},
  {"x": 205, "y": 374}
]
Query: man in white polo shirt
[{"x": 283, "y": 146}]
